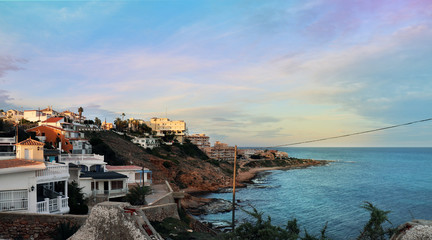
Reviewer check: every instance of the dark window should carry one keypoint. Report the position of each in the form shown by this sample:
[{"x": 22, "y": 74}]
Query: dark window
[
  {"x": 93, "y": 186},
  {"x": 116, "y": 184}
]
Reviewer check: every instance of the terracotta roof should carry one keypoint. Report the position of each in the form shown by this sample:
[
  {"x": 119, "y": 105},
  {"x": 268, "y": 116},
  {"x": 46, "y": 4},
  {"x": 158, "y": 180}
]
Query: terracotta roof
[
  {"x": 129, "y": 167},
  {"x": 30, "y": 142},
  {"x": 11, "y": 163},
  {"x": 53, "y": 119}
]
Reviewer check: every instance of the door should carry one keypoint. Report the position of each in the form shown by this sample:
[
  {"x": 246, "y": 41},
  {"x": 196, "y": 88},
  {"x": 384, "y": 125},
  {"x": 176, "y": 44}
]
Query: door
[
  {"x": 106, "y": 188},
  {"x": 27, "y": 154}
]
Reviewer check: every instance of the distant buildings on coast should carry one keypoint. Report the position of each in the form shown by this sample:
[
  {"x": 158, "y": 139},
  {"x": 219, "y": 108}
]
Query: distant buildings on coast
[{"x": 62, "y": 130}]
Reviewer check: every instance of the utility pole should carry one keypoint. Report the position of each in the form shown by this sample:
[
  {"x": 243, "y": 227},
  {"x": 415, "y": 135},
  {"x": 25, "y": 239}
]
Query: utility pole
[
  {"x": 234, "y": 185},
  {"x": 143, "y": 196}
]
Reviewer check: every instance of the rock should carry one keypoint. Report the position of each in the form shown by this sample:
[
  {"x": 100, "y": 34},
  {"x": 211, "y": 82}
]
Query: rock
[
  {"x": 111, "y": 220},
  {"x": 217, "y": 206},
  {"x": 414, "y": 230}
]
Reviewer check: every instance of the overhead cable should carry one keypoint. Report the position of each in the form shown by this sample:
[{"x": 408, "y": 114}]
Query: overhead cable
[{"x": 351, "y": 134}]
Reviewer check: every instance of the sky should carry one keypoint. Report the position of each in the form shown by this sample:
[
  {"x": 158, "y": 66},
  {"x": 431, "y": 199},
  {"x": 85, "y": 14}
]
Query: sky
[{"x": 247, "y": 73}]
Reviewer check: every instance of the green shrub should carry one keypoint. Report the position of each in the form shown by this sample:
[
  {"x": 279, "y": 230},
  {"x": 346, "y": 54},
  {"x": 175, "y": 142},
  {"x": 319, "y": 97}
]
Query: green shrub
[
  {"x": 373, "y": 230},
  {"x": 77, "y": 202},
  {"x": 136, "y": 195}
]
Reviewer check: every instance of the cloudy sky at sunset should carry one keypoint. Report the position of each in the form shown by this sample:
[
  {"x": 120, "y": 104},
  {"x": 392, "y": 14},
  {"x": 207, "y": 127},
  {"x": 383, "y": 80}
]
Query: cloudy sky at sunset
[{"x": 251, "y": 73}]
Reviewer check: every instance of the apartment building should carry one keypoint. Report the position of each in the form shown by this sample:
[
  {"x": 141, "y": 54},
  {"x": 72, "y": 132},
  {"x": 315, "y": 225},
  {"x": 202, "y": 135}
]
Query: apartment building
[
  {"x": 220, "y": 151},
  {"x": 201, "y": 140},
  {"x": 164, "y": 126}
]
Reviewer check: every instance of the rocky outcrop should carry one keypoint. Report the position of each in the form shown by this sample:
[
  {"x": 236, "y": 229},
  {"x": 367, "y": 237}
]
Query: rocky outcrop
[
  {"x": 414, "y": 230},
  {"x": 111, "y": 220}
]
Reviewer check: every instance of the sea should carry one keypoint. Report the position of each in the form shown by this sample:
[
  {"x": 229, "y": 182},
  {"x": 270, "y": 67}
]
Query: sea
[{"x": 394, "y": 179}]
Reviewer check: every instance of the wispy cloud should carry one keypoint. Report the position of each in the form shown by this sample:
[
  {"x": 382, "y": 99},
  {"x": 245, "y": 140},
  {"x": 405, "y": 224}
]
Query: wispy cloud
[{"x": 8, "y": 63}]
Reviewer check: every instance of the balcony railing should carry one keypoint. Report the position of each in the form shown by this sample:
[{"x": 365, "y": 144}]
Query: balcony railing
[
  {"x": 52, "y": 172},
  {"x": 72, "y": 158},
  {"x": 13, "y": 200},
  {"x": 7, "y": 140},
  {"x": 7, "y": 154},
  {"x": 54, "y": 205},
  {"x": 111, "y": 193}
]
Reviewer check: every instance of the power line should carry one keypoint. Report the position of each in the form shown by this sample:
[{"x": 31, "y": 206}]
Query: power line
[{"x": 351, "y": 134}]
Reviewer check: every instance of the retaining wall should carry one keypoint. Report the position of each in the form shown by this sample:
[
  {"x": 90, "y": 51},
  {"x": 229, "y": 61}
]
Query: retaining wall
[
  {"x": 160, "y": 212},
  {"x": 34, "y": 226}
]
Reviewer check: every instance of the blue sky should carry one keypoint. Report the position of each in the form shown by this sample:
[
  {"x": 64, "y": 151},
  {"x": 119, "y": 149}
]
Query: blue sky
[{"x": 251, "y": 73}]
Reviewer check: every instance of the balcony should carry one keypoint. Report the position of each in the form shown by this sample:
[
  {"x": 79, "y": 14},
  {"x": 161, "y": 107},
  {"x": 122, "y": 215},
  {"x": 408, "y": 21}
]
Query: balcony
[
  {"x": 75, "y": 158},
  {"x": 53, "y": 172},
  {"x": 87, "y": 160},
  {"x": 7, "y": 141},
  {"x": 110, "y": 193},
  {"x": 55, "y": 205},
  {"x": 13, "y": 200}
]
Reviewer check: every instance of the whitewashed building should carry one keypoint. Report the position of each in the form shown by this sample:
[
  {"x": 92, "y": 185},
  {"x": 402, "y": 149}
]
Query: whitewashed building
[
  {"x": 31, "y": 185},
  {"x": 135, "y": 174},
  {"x": 146, "y": 142},
  {"x": 87, "y": 162}
]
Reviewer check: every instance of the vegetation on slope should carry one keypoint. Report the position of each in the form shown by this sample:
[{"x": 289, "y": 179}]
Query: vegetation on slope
[
  {"x": 261, "y": 229},
  {"x": 182, "y": 165}
]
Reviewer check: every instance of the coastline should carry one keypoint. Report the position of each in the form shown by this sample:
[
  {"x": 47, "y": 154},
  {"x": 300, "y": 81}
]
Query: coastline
[
  {"x": 195, "y": 203},
  {"x": 249, "y": 175}
]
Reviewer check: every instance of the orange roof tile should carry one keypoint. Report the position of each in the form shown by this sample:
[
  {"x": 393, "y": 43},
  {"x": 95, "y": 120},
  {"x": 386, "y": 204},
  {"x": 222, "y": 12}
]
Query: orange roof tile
[
  {"x": 11, "y": 163},
  {"x": 53, "y": 119},
  {"x": 29, "y": 142}
]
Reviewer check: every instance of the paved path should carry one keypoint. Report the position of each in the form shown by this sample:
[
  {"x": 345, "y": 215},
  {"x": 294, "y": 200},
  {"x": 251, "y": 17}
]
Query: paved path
[{"x": 158, "y": 191}]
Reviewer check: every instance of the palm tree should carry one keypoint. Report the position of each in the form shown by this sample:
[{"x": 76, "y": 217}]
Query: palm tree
[
  {"x": 118, "y": 123},
  {"x": 136, "y": 195},
  {"x": 97, "y": 121},
  {"x": 80, "y": 111}
]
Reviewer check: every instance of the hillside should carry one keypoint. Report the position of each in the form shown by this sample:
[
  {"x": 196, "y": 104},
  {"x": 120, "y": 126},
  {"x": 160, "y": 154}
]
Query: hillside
[
  {"x": 184, "y": 166},
  {"x": 179, "y": 164}
]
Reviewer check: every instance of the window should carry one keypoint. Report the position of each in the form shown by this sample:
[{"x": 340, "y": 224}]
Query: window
[
  {"x": 116, "y": 185},
  {"x": 93, "y": 186}
]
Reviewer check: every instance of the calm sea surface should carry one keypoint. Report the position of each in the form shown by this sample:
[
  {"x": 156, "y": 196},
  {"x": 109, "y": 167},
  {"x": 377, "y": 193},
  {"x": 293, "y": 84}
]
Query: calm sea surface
[{"x": 396, "y": 179}]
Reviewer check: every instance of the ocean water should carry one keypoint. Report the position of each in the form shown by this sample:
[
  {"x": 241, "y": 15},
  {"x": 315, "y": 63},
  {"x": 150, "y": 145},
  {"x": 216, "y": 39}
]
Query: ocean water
[{"x": 395, "y": 179}]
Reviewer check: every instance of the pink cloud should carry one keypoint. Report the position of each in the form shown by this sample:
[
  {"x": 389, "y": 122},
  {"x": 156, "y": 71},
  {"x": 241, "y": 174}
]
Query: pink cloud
[{"x": 8, "y": 63}]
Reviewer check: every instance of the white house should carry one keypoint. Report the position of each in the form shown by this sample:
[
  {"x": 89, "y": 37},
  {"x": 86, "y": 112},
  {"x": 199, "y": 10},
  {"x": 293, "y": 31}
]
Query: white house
[
  {"x": 87, "y": 162},
  {"x": 90, "y": 174},
  {"x": 135, "y": 174},
  {"x": 35, "y": 115},
  {"x": 102, "y": 186},
  {"x": 31, "y": 185},
  {"x": 146, "y": 142}
]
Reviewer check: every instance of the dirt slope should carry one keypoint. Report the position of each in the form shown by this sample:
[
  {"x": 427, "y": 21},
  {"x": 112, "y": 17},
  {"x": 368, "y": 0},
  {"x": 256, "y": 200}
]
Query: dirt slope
[{"x": 170, "y": 163}]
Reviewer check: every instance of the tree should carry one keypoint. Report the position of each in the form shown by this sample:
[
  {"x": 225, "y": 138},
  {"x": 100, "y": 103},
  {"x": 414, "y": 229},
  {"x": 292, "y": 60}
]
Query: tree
[
  {"x": 373, "y": 230},
  {"x": 77, "y": 202},
  {"x": 97, "y": 121},
  {"x": 136, "y": 195},
  {"x": 80, "y": 111}
]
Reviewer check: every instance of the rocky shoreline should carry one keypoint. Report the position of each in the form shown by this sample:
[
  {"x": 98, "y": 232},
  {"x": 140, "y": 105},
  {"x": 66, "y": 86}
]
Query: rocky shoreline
[{"x": 197, "y": 205}]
